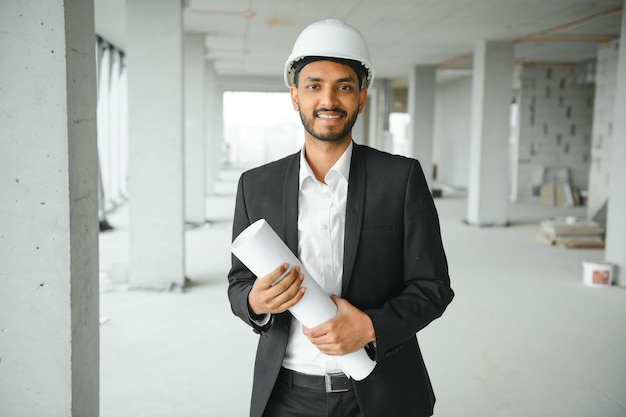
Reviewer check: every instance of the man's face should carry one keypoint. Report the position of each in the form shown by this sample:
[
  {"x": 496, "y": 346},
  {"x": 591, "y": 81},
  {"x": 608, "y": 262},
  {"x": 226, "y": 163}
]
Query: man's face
[{"x": 328, "y": 99}]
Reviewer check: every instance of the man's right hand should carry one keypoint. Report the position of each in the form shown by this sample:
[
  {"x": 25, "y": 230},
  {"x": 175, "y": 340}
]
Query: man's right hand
[{"x": 266, "y": 298}]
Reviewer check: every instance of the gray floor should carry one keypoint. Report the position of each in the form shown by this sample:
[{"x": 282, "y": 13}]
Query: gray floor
[{"x": 523, "y": 337}]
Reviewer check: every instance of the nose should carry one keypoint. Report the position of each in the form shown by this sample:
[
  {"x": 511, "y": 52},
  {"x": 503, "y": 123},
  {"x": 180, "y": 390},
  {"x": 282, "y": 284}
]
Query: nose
[{"x": 329, "y": 98}]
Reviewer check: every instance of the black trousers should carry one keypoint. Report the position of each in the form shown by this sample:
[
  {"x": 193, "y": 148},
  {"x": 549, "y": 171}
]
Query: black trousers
[{"x": 289, "y": 400}]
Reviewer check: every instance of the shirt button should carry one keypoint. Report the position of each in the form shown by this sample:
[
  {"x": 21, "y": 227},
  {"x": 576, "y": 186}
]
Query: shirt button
[{"x": 325, "y": 227}]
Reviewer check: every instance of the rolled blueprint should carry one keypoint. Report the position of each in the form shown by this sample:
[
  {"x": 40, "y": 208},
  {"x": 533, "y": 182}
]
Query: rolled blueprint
[{"x": 260, "y": 249}]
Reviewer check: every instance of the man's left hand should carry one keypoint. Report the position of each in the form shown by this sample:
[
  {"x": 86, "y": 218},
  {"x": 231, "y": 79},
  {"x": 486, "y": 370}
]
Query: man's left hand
[{"x": 347, "y": 332}]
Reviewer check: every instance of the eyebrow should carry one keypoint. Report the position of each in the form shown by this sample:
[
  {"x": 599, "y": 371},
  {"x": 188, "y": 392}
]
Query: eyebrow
[{"x": 340, "y": 80}]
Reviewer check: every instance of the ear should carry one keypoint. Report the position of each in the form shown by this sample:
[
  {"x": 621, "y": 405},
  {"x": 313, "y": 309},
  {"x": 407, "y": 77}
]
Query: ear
[
  {"x": 362, "y": 99},
  {"x": 294, "y": 97}
]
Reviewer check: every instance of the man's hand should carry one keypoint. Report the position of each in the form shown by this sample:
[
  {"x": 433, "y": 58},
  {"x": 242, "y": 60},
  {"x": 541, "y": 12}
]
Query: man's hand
[
  {"x": 266, "y": 298},
  {"x": 347, "y": 332}
]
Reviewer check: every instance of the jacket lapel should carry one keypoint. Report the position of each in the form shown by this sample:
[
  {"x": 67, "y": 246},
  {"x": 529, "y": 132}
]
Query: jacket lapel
[
  {"x": 354, "y": 214},
  {"x": 354, "y": 210},
  {"x": 290, "y": 204}
]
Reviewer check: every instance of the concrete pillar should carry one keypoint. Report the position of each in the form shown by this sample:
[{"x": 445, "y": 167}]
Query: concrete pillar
[
  {"x": 421, "y": 108},
  {"x": 361, "y": 131},
  {"x": 489, "y": 141},
  {"x": 384, "y": 109},
  {"x": 378, "y": 115},
  {"x": 218, "y": 142},
  {"x": 615, "y": 251},
  {"x": 49, "y": 331},
  {"x": 214, "y": 127},
  {"x": 358, "y": 130},
  {"x": 156, "y": 183},
  {"x": 359, "y": 134},
  {"x": 373, "y": 131},
  {"x": 195, "y": 145}
]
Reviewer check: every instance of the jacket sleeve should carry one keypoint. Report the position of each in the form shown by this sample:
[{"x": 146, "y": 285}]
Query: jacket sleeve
[
  {"x": 240, "y": 279},
  {"x": 426, "y": 290}
]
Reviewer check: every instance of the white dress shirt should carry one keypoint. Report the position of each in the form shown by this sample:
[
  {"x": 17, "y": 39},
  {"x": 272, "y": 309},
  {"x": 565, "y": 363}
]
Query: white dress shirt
[{"x": 321, "y": 230}]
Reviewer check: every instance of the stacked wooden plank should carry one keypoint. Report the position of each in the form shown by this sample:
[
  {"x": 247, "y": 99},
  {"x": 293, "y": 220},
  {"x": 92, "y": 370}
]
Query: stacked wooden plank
[
  {"x": 559, "y": 194},
  {"x": 572, "y": 233}
]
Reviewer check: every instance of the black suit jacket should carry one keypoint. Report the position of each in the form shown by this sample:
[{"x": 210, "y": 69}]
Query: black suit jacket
[{"x": 395, "y": 270}]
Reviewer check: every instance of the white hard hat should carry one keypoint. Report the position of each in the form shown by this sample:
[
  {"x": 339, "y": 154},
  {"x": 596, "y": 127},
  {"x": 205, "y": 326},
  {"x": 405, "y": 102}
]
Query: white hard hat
[{"x": 330, "y": 38}]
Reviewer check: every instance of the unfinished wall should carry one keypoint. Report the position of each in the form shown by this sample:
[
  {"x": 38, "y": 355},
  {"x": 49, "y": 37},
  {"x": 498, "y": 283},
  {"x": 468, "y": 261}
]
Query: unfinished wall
[
  {"x": 606, "y": 80},
  {"x": 555, "y": 113},
  {"x": 453, "y": 104}
]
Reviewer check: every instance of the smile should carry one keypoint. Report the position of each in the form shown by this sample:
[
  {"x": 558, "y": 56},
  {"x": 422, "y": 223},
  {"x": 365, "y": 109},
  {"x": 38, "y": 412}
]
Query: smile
[{"x": 329, "y": 116}]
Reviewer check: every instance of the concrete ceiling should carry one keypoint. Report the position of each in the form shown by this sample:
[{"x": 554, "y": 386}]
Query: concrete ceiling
[{"x": 254, "y": 37}]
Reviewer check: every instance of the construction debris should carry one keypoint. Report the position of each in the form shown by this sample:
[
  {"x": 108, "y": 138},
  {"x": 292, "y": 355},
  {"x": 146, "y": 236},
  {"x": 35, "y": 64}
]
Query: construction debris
[
  {"x": 572, "y": 233},
  {"x": 559, "y": 194}
]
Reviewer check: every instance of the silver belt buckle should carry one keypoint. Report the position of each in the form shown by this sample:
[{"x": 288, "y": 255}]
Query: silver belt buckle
[{"x": 328, "y": 381}]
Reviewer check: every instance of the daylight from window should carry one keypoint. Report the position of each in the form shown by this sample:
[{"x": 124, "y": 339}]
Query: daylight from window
[{"x": 259, "y": 127}]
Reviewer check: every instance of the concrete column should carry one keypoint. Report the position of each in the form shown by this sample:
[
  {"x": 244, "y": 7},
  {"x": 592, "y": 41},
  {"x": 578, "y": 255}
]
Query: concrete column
[
  {"x": 374, "y": 133},
  {"x": 421, "y": 107},
  {"x": 361, "y": 131},
  {"x": 218, "y": 142},
  {"x": 378, "y": 115},
  {"x": 195, "y": 145},
  {"x": 214, "y": 126},
  {"x": 384, "y": 110},
  {"x": 489, "y": 141},
  {"x": 49, "y": 331},
  {"x": 616, "y": 220},
  {"x": 156, "y": 183},
  {"x": 358, "y": 130}
]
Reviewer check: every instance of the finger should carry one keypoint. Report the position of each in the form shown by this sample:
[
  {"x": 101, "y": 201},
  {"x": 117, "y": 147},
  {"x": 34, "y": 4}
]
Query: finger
[
  {"x": 261, "y": 295},
  {"x": 289, "y": 295},
  {"x": 315, "y": 333},
  {"x": 287, "y": 280},
  {"x": 277, "y": 298},
  {"x": 271, "y": 278},
  {"x": 339, "y": 302},
  {"x": 294, "y": 300}
]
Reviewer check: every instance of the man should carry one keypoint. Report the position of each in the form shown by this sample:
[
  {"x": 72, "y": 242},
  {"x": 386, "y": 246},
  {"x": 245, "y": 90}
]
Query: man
[{"x": 363, "y": 224}]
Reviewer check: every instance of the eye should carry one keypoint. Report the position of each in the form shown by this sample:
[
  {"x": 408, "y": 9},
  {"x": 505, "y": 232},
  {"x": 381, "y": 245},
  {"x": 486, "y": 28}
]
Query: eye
[
  {"x": 312, "y": 86},
  {"x": 345, "y": 87}
]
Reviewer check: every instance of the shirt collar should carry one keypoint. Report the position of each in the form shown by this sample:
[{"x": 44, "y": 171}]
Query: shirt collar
[{"x": 342, "y": 166}]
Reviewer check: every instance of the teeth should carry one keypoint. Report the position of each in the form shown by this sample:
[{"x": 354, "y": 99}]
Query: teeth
[{"x": 328, "y": 116}]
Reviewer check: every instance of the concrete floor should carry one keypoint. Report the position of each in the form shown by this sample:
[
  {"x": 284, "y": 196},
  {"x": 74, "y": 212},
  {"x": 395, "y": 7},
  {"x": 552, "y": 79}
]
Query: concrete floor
[{"x": 523, "y": 337}]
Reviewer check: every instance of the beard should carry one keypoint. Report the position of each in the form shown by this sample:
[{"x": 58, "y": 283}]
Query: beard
[{"x": 329, "y": 136}]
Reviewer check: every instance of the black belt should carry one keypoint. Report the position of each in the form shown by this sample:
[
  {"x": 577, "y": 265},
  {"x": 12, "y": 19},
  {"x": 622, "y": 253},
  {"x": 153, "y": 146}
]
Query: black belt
[{"x": 325, "y": 383}]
